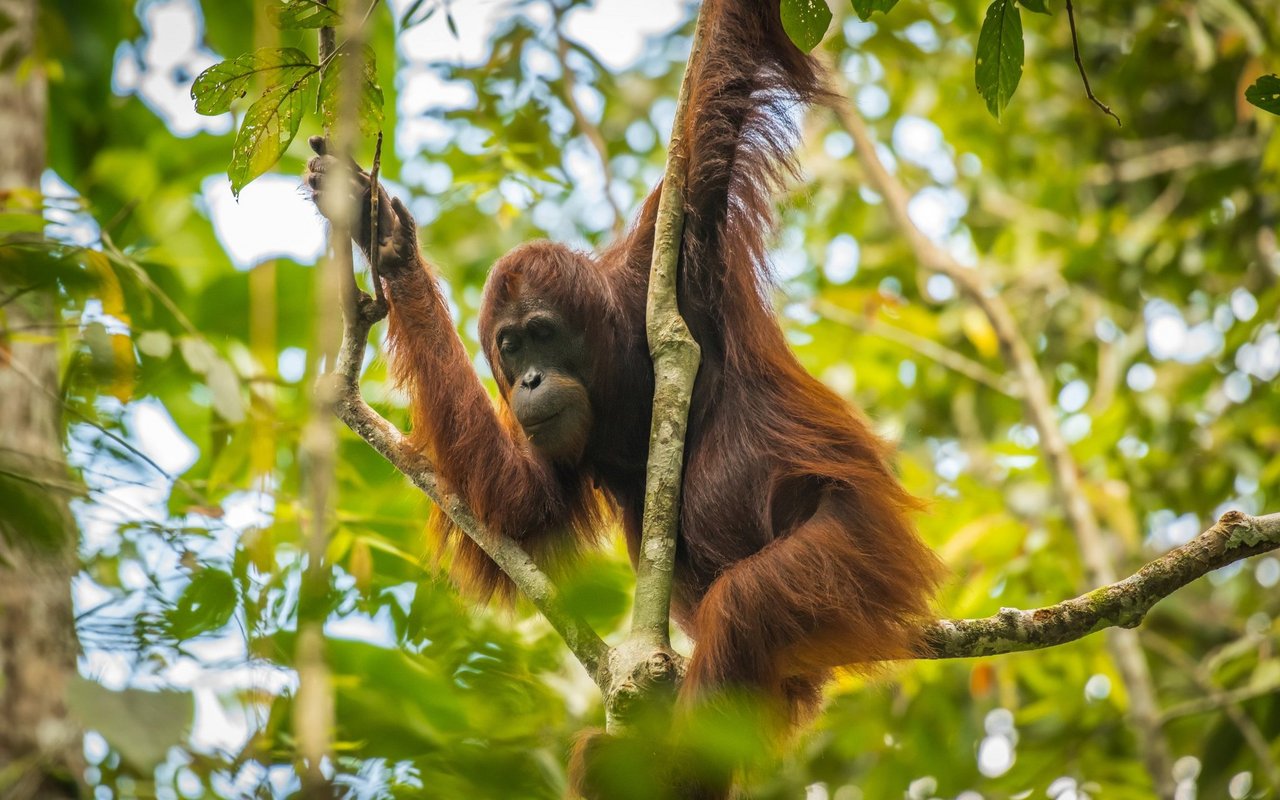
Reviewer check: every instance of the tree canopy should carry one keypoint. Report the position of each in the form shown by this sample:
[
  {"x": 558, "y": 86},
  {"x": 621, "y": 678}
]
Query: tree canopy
[{"x": 1071, "y": 329}]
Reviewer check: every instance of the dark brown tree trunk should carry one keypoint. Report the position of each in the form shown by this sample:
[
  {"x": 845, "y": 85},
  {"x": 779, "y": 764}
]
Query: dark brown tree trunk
[{"x": 39, "y": 743}]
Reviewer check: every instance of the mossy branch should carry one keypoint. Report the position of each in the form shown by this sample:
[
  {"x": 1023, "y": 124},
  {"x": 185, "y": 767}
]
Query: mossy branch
[{"x": 1123, "y": 604}]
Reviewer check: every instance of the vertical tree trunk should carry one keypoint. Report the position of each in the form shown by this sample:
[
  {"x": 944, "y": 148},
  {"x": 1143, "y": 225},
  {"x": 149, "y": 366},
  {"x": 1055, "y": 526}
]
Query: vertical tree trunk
[{"x": 39, "y": 744}]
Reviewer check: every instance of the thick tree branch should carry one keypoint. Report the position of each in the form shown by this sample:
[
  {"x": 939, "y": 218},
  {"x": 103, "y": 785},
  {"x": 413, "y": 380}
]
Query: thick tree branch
[
  {"x": 351, "y": 408},
  {"x": 1122, "y": 604},
  {"x": 1126, "y": 651},
  {"x": 675, "y": 365}
]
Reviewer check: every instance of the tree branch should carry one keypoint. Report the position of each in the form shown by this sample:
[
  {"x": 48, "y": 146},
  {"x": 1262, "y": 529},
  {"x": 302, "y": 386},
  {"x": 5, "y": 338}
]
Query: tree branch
[
  {"x": 587, "y": 128},
  {"x": 675, "y": 365},
  {"x": 1126, "y": 651},
  {"x": 1203, "y": 680},
  {"x": 1122, "y": 604},
  {"x": 351, "y": 408},
  {"x": 924, "y": 346}
]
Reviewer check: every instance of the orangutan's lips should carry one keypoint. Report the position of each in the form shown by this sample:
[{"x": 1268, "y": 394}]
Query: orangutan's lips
[{"x": 530, "y": 427}]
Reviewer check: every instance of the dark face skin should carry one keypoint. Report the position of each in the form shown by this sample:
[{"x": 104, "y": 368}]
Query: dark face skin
[{"x": 544, "y": 362}]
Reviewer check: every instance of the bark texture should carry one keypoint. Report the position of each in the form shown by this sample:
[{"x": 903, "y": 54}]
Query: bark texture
[{"x": 39, "y": 743}]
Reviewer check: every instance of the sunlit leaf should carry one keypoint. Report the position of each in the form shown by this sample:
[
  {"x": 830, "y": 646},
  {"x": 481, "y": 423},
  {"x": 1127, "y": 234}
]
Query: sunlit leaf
[
  {"x": 865, "y": 8},
  {"x": 999, "y": 59},
  {"x": 222, "y": 84},
  {"x": 369, "y": 114},
  {"x": 295, "y": 14},
  {"x": 805, "y": 21},
  {"x": 269, "y": 126},
  {"x": 1265, "y": 93}
]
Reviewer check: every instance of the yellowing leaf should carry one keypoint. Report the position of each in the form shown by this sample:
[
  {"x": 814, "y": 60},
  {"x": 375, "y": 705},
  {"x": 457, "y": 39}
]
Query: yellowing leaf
[
  {"x": 979, "y": 332},
  {"x": 360, "y": 564},
  {"x": 269, "y": 126},
  {"x": 109, "y": 293}
]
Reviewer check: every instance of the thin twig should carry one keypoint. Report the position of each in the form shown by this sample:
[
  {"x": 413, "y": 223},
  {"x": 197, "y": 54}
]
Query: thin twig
[
  {"x": 1175, "y": 158},
  {"x": 1204, "y": 682},
  {"x": 922, "y": 345},
  {"x": 1075, "y": 49},
  {"x": 350, "y": 407},
  {"x": 588, "y": 129},
  {"x": 374, "y": 242}
]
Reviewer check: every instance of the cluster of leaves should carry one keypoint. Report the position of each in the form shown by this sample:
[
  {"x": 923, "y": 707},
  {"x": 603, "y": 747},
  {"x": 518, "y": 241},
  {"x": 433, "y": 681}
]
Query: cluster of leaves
[
  {"x": 1000, "y": 51},
  {"x": 284, "y": 80}
]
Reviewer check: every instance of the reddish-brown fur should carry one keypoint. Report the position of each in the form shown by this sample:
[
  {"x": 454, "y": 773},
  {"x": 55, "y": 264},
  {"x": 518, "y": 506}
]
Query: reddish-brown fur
[{"x": 797, "y": 553}]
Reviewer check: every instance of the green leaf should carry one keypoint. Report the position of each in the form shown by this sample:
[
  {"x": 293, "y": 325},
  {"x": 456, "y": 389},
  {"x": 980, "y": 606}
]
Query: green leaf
[
  {"x": 297, "y": 14},
  {"x": 1037, "y": 6},
  {"x": 205, "y": 605},
  {"x": 269, "y": 126},
  {"x": 805, "y": 21},
  {"x": 368, "y": 104},
  {"x": 1265, "y": 93},
  {"x": 223, "y": 83},
  {"x": 865, "y": 8},
  {"x": 141, "y": 725},
  {"x": 411, "y": 15},
  {"x": 999, "y": 61}
]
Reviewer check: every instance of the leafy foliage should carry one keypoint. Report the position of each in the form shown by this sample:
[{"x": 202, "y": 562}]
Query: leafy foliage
[
  {"x": 865, "y": 8},
  {"x": 215, "y": 89},
  {"x": 368, "y": 106},
  {"x": 1265, "y": 93},
  {"x": 805, "y": 21},
  {"x": 301, "y": 14},
  {"x": 999, "y": 55},
  {"x": 1140, "y": 264}
]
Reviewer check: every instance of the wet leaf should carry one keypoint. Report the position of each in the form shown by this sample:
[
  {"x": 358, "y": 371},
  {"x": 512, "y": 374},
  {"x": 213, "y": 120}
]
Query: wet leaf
[
  {"x": 222, "y": 84},
  {"x": 205, "y": 605}
]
